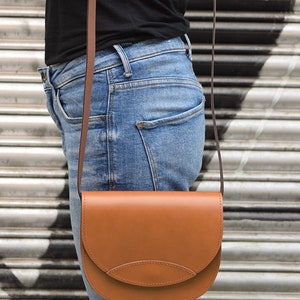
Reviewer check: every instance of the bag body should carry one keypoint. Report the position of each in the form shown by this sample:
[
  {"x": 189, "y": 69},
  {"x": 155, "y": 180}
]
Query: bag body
[{"x": 151, "y": 245}]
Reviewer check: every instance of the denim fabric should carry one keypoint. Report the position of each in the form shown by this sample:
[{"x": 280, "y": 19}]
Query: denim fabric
[{"x": 146, "y": 129}]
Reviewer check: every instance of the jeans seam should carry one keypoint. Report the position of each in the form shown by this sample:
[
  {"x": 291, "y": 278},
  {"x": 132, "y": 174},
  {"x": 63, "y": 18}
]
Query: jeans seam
[
  {"x": 155, "y": 82},
  {"x": 109, "y": 132},
  {"x": 156, "y": 54},
  {"x": 150, "y": 162}
]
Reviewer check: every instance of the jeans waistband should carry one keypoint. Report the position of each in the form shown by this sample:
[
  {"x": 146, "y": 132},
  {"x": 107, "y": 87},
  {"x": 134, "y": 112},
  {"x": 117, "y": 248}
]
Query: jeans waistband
[{"x": 121, "y": 54}]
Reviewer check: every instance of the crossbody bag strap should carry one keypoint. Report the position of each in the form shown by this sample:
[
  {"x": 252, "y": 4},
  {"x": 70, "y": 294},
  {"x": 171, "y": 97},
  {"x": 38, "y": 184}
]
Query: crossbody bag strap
[
  {"x": 89, "y": 73},
  {"x": 212, "y": 97},
  {"x": 88, "y": 85}
]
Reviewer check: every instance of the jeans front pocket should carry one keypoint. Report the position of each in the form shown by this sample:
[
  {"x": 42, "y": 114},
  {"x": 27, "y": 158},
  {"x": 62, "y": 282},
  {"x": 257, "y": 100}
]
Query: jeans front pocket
[{"x": 70, "y": 100}]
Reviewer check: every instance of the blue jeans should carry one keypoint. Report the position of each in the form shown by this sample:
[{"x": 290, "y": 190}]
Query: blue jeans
[{"x": 146, "y": 129}]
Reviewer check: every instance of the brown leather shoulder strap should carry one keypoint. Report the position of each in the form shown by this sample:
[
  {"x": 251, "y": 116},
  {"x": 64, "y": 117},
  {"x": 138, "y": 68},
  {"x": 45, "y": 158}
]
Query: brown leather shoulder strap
[
  {"x": 212, "y": 97},
  {"x": 91, "y": 50},
  {"x": 89, "y": 74}
]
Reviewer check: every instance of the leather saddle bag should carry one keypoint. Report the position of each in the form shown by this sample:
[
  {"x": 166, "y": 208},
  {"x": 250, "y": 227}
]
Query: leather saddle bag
[
  {"x": 147, "y": 245},
  {"x": 151, "y": 245}
]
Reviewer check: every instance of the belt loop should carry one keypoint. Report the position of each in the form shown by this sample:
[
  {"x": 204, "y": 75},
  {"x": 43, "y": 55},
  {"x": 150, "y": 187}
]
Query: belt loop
[
  {"x": 190, "y": 51},
  {"x": 44, "y": 72},
  {"x": 48, "y": 76},
  {"x": 125, "y": 60}
]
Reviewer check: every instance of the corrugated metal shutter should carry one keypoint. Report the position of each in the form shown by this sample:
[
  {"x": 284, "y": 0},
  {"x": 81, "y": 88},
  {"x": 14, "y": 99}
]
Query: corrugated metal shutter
[{"x": 257, "y": 95}]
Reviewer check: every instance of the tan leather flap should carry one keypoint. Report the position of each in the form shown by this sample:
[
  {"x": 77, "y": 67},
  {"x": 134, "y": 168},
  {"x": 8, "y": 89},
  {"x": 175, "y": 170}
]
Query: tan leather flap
[{"x": 152, "y": 238}]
